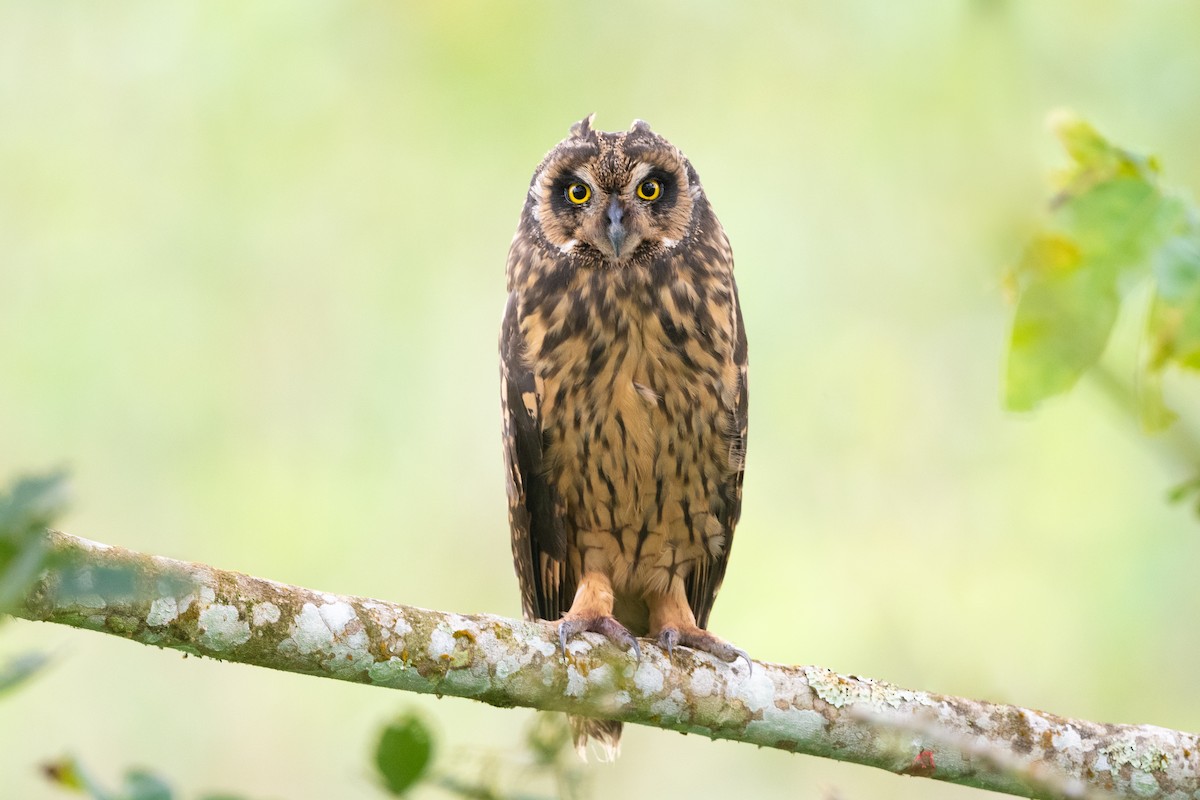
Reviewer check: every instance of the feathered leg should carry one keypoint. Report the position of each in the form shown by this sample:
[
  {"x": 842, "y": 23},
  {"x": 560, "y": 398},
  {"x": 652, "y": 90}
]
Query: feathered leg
[{"x": 592, "y": 610}]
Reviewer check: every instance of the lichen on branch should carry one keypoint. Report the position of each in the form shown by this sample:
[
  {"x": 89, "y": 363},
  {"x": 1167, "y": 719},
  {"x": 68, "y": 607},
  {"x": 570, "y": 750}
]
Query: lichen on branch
[{"x": 235, "y": 617}]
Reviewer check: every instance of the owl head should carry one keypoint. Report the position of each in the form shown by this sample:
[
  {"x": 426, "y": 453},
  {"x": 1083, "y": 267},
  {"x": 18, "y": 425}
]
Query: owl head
[{"x": 613, "y": 199}]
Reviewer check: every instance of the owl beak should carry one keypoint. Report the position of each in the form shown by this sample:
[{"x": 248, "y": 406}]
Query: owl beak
[{"x": 616, "y": 226}]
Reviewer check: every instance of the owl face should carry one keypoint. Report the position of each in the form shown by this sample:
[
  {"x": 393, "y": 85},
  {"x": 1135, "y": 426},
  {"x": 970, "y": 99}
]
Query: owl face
[{"x": 613, "y": 198}]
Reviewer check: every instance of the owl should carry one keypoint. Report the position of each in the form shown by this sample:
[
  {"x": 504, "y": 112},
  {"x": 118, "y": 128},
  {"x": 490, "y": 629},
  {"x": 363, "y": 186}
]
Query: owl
[{"x": 623, "y": 371}]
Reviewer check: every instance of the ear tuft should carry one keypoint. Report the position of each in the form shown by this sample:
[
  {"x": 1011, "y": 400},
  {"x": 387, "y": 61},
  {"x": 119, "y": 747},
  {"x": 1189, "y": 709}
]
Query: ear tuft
[
  {"x": 641, "y": 126},
  {"x": 583, "y": 128}
]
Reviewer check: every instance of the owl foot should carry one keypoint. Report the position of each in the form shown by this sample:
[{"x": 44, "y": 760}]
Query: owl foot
[
  {"x": 699, "y": 639},
  {"x": 606, "y": 626}
]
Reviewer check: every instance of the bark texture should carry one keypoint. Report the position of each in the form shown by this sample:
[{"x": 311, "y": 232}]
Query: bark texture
[{"x": 803, "y": 709}]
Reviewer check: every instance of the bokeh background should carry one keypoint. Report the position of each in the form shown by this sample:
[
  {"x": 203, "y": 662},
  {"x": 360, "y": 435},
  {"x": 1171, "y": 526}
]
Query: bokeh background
[{"x": 251, "y": 274}]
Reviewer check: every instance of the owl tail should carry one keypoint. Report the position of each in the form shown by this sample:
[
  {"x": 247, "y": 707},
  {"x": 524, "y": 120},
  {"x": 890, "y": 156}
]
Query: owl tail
[{"x": 605, "y": 733}]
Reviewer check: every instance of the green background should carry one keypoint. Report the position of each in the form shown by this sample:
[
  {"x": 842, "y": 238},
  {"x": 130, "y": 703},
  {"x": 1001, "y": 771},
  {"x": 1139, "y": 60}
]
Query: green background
[{"x": 251, "y": 275}]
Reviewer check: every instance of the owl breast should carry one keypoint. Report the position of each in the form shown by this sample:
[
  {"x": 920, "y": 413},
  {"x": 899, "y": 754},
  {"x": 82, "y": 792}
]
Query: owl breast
[{"x": 637, "y": 427}]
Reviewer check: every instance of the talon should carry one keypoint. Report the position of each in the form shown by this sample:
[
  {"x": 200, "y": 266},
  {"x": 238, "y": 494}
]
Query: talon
[
  {"x": 749, "y": 663},
  {"x": 667, "y": 640},
  {"x": 617, "y": 633},
  {"x": 699, "y": 639},
  {"x": 608, "y": 627}
]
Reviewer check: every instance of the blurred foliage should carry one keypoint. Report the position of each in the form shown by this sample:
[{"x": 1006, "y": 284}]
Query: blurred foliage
[
  {"x": 1113, "y": 226},
  {"x": 138, "y": 784},
  {"x": 1115, "y": 234},
  {"x": 1187, "y": 491},
  {"x": 19, "y": 669},
  {"x": 27, "y": 508},
  {"x": 403, "y": 753},
  {"x": 403, "y": 756},
  {"x": 548, "y": 739}
]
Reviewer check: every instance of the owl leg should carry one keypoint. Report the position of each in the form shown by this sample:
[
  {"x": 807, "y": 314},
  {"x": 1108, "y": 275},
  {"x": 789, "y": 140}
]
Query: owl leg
[
  {"x": 592, "y": 610},
  {"x": 672, "y": 622}
]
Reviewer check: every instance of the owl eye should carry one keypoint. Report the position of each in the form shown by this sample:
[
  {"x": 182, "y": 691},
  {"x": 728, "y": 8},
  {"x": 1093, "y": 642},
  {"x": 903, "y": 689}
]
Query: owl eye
[
  {"x": 649, "y": 189},
  {"x": 579, "y": 193}
]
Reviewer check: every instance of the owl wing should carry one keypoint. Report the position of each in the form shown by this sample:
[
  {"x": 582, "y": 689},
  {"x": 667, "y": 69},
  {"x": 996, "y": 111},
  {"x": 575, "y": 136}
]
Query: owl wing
[
  {"x": 539, "y": 542},
  {"x": 703, "y": 583}
]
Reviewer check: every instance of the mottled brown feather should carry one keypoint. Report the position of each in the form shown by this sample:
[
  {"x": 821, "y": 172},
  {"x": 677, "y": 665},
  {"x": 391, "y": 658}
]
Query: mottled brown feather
[{"x": 624, "y": 385}]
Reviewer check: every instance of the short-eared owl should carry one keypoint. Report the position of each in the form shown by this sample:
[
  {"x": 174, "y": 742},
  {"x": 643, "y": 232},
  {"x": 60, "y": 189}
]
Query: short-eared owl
[{"x": 623, "y": 363}]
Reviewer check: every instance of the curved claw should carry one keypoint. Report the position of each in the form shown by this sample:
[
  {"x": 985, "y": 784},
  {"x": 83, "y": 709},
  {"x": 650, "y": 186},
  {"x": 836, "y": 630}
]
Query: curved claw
[
  {"x": 562, "y": 638},
  {"x": 608, "y": 627},
  {"x": 700, "y": 639},
  {"x": 617, "y": 633},
  {"x": 667, "y": 639}
]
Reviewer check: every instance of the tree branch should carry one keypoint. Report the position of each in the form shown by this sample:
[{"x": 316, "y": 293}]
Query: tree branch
[{"x": 234, "y": 617}]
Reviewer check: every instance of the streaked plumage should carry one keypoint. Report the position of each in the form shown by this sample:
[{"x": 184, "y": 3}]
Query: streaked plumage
[{"x": 623, "y": 362}]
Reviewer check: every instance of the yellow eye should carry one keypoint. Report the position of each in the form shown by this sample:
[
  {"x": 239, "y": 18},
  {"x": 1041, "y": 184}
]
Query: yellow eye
[
  {"x": 579, "y": 193},
  {"x": 649, "y": 189}
]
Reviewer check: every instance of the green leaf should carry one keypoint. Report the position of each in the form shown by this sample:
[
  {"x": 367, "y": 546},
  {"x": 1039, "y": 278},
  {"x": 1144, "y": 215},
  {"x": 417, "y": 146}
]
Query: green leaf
[
  {"x": 139, "y": 784},
  {"x": 1061, "y": 327},
  {"x": 1094, "y": 158},
  {"x": 1187, "y": 490},
  {"x": 65, "y": 772},
  {"x": 1177, "y": 265},
  {"x": 26, "y": 510},
  {"x": 143, "y": 785},
  {"x": 32, "y": 504},
  {"x": 80, "y": 578},
  {"x": 548, "y": 738},
  {"x": 403, "y": 753},
  {"x": 1081, "y": 141},
  {"x": 1152, "y": 407},
  {"x": 20, "y": 570},
  {"x": 1111, "y": 228},
  {"x": 70, "y": 774},
  {"x": 1115, "y": 224},
  {"x": 21, "y": 669},
  {"x": 1173, "y": 327}
]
